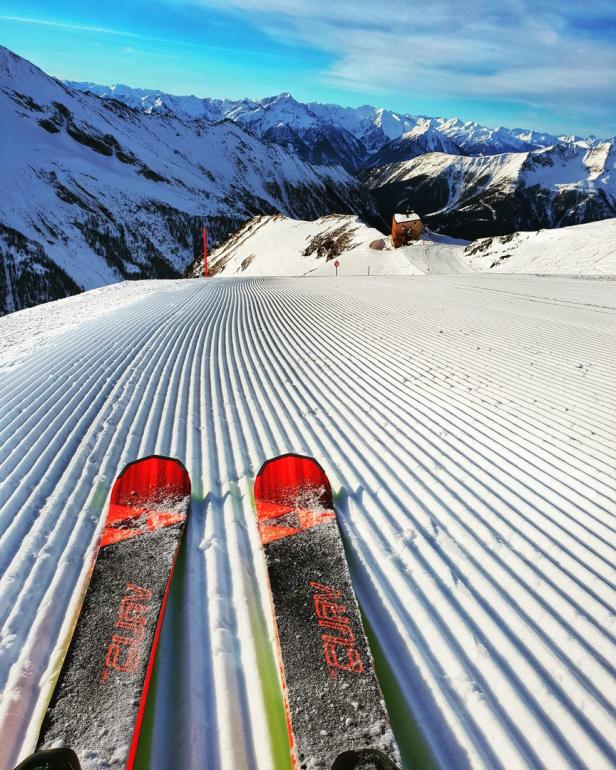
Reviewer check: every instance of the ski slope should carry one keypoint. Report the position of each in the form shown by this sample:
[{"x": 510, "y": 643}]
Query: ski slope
[
  {"x": 437, "y": 255},
  {"x": 279, "y": 246},
  {"x": 467, "y": 424}
]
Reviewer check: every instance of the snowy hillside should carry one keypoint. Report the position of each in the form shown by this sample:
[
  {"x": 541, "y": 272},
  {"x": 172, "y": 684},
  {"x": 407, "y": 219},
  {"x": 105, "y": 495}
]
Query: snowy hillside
[
  {"x": 578, "y": 250},
  {"x": 92, "y": 192},
  {"x": 276, "y": 245},
  {"x": 470, "y": 197},
  {"x": 467, "y": 424}
]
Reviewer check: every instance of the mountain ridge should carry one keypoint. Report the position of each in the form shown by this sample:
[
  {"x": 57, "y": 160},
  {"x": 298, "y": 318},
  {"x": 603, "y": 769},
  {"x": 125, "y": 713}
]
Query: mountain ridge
[
  {"x": 93, "y": 191},
  {"x": 372, "y": 126},
  {"x": 483, "y": 196}
]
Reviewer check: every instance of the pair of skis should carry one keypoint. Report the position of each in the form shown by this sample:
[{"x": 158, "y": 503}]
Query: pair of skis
[{"x": 335, "y": 712}]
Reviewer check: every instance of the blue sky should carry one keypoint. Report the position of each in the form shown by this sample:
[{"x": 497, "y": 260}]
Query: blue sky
[{"x": 543, "y": 64}]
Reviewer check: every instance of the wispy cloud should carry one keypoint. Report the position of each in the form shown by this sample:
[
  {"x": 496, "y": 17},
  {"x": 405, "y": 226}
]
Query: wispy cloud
[
  {"x": 542, "y": 53},
  {"x": 172, "y": 43},
  {"x": 66, "y": 25}
]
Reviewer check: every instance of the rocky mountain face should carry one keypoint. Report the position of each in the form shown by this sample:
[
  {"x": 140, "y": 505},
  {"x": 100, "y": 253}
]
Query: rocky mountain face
[
  {"x": 93, "y": 191},
  {"x": 473, "y": 197}
]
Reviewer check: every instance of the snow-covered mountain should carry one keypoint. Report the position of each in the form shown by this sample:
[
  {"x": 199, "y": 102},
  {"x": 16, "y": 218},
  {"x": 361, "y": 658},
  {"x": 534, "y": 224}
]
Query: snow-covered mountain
[
  {"x": 354, "y": 133},
  {"x": 422, "y": 139},
  {"x": 471, "y": 197},
  {"x": 278, "y": 119},
  {"x": 480, "y": 182},
  {"x": 92, "y": 191},
  {"x": 475, "y": 139}
]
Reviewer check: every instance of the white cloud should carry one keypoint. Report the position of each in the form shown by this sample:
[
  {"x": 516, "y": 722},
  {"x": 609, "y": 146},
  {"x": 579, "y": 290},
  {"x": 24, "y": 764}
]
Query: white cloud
[{"x": 544, "y": 53}]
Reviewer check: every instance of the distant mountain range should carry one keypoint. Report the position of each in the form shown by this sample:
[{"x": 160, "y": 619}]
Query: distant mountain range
[
  {"x": 466, "y": 180},
  {"x": 96, "y": 190},
  {"x": 357, "y": 137}
]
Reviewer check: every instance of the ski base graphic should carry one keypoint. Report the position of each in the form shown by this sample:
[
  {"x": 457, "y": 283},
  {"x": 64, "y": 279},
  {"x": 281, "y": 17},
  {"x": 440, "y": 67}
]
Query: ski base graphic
[
  {"x": 99, "y": 699},
  {"x": 335, "y": 710}
]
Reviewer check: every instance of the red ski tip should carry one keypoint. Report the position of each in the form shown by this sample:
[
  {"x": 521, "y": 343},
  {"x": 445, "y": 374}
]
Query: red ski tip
[
  {"x": 151, "y": 481},
  {"x": 292, "y": 494},
  {"x": 147, "y": 495}
]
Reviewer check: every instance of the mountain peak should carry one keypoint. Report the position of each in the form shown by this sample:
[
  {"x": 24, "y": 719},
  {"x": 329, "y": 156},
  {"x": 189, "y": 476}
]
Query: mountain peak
[{"x": 283, "y": 98}]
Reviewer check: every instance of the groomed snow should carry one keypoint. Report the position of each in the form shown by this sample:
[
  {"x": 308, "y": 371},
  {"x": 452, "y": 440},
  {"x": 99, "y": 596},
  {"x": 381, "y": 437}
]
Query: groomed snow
[
  {"x": 27, "y": 330},
  {"x": 467, "y": 425}
]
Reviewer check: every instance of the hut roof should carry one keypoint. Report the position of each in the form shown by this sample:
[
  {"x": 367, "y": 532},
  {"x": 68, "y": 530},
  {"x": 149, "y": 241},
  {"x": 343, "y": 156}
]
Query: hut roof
[{"x": 411, "y": 216}]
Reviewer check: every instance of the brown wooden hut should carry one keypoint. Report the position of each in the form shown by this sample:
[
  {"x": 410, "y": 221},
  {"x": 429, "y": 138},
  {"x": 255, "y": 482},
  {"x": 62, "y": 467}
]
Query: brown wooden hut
[{"x": 405, "y": 228}]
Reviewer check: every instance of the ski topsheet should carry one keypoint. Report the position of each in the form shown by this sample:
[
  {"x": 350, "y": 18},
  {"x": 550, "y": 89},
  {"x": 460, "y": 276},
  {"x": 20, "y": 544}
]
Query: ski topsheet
[
  {"x": 335, "y": 711},
  {"x": 99, "y": 699}
]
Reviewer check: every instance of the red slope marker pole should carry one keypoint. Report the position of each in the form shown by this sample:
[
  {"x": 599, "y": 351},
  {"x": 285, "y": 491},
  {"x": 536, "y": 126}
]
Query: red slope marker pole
[{"x": 205, "y": 270}]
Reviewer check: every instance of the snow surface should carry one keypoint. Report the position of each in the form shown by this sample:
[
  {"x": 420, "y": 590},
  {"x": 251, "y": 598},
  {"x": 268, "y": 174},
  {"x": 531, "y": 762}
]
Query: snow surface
[
  {"x": 588, "y": 249},
  {"x": 278, "y": 246},
  {"x": 23, "y": 332},
  {"x": 467, "y": 425}
]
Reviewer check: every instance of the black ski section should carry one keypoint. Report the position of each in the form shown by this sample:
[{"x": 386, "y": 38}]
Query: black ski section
[
  {"x": 337, "y": 715},
  {"x": 98, "y": 702}
]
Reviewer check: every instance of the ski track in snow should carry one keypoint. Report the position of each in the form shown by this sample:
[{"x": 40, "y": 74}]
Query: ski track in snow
[{"x": 467, "y": 424}]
